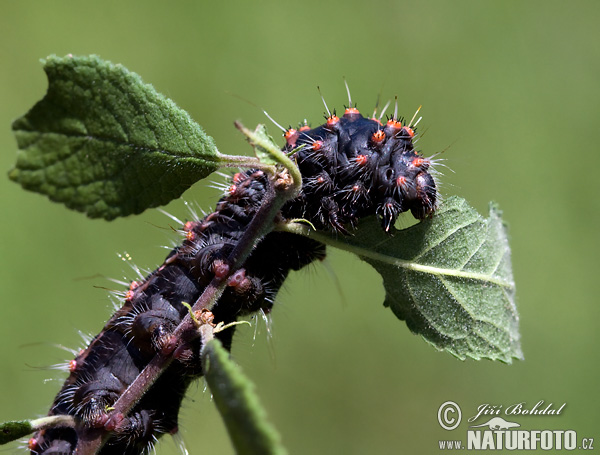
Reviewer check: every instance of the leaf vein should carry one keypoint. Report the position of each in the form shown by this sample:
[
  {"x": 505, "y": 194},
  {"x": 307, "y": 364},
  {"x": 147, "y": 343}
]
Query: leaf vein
[{"x": 136, "y": 147}]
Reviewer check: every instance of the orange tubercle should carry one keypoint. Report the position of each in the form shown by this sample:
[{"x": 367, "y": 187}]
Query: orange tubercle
[
  {"x": 33, "y": 444},
  {"x": 361, "y": 160},
  {"x": 409, "y": 131},
  {"x": 395, "y": 124},
  {"x": 333, "y": 120},
  {"x": 289, "y": 133},
  {"x": 418, "y": 162},
  {"x": 291, "y": 136},
  {"x": 378, "y": 136}
]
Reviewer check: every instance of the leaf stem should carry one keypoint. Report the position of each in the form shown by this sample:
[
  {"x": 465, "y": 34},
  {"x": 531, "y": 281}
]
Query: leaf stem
[{"x": 249, "y": 162}]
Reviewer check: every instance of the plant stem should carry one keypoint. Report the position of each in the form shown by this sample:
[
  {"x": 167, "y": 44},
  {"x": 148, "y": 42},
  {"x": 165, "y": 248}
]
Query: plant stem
[{"x": 91, "y": 440}]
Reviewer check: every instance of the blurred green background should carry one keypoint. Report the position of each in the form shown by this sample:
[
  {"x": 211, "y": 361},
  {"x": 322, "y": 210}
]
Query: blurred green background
[{"x": 509, "y": 88}]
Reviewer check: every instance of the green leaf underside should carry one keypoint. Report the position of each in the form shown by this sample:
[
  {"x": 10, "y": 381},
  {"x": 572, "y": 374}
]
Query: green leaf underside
[
  {"x": 449, "y": 277},
  {"x": 234, "y": 396},
  {"x": 105, "y": 143}
]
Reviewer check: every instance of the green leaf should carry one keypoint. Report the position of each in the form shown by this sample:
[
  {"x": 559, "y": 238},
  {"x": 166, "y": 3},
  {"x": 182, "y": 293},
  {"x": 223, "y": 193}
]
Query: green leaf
[
  {"x": 450, "y": 278},
  {"x": 265, "y": 148},
  {"x": 105, "y": 143},
  {"x": 235, "y": 399}
]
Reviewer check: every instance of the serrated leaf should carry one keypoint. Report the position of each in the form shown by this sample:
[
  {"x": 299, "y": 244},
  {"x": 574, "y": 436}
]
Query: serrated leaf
[
  {"x": 105, "y": 143},
  {"x": 234, "y": 396},
  {"x": 450, "y": 278}
]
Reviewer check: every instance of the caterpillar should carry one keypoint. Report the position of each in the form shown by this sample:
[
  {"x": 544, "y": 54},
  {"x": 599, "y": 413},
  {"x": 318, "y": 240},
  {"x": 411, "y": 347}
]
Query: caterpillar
[{"x": 351, "y": 167}]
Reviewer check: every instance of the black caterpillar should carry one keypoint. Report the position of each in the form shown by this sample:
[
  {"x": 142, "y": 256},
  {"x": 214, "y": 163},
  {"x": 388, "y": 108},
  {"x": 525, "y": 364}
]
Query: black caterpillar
[{"x": 351, "y": 167}]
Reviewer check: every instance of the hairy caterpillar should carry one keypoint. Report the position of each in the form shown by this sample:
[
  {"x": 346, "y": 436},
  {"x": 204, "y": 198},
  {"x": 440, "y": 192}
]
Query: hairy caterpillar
[{"x": 351, "y": 167}]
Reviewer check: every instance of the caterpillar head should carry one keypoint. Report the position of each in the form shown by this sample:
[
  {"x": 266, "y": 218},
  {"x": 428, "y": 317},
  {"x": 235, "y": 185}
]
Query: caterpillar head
[{"x": 354, "y": 166}]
